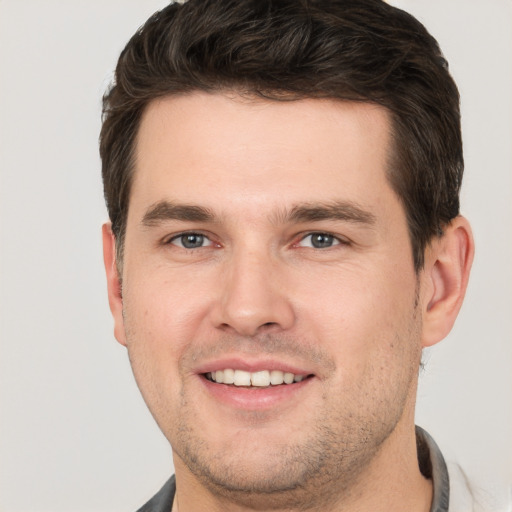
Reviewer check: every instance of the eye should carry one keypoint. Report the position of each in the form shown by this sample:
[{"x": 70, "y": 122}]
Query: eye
[
  {"x": 191, "y": 240},
  {"x": 319, "y": 241}
]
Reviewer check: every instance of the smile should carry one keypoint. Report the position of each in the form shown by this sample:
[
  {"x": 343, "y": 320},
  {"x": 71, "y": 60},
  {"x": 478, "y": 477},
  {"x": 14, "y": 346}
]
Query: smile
[{"x": 263, "y": 378}]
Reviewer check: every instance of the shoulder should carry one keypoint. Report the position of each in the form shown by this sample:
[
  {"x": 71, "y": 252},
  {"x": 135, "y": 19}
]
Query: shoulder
[{"x": 467, "y": 496}]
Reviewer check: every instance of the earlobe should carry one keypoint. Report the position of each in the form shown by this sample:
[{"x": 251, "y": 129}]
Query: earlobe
[
  {"x": 115, "y": 298},
  {"x": 445, "y": 277}
]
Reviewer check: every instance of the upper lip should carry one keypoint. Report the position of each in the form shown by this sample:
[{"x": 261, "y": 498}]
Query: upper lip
[{"x": 251, "y": 365}]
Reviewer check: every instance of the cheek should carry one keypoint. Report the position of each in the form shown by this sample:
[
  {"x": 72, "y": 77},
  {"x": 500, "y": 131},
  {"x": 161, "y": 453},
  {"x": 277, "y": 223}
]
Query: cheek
[
  {"x": 370, "y": 328},
  {"x": 154, "y": 336},
  {"x": 359, "y": 313},
  {"x": 158, "y": 320},
  {"x": 164, "y": 305}
]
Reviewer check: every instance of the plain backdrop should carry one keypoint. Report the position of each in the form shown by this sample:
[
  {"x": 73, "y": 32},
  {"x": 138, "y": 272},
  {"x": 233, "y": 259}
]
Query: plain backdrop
[{"x": 74, "y": 433}]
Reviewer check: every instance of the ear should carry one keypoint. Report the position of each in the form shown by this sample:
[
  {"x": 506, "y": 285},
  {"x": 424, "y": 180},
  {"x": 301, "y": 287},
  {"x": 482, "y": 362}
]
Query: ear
[
  {"x": 445, "y": 277},
  {"x": 115, "y": 296}
]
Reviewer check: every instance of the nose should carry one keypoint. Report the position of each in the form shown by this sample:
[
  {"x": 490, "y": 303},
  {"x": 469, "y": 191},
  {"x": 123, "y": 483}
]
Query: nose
[{"x": 253, "y": 296}]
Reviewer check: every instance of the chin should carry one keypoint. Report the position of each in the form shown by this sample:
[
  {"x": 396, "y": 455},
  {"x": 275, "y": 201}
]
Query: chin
[
  {"x": 262, "y": 480},
  {"x": 266, "y": 469}
]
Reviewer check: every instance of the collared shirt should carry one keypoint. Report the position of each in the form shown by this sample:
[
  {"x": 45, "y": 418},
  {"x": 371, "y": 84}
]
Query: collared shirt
[
  {"x": 433, "y": 467},
  {"x": 451, "y": 489}
]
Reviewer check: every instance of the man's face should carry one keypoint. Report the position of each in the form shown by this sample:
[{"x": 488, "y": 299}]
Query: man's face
[{"x": 263, "y": 236}]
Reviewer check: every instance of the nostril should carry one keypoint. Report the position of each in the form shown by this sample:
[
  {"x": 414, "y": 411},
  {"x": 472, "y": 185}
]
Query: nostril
[{"x": 268, "y": 327}]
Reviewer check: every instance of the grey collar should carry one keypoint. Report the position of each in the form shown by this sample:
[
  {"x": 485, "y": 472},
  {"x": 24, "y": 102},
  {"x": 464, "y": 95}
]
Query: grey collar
[{"x": 433, "y": 466}]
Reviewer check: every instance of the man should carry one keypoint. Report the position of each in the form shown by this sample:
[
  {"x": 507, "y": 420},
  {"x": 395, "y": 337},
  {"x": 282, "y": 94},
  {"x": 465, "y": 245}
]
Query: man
[{"x": 282, "y": 180}]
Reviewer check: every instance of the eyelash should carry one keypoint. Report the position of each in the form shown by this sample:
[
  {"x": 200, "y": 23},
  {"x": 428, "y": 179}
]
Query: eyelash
[
  {"x": 189, "y": 234},
  {"x": 335, "y": 241},
  {"x": 333, "y": 238}
]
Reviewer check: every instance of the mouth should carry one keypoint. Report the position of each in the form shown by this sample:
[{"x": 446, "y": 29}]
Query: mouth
[
  {"x": 258, "y": 379},
  {"x": 245, "y": 384}
]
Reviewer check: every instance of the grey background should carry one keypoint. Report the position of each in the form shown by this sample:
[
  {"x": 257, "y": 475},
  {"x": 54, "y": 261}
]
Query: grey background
[{"x": 74, "y": 432}]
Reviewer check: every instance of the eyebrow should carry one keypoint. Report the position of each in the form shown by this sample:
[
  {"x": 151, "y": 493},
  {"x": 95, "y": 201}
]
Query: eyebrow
[
  {"x": 336, "y": 210},
  {"x": 165, "y": 210},
  {"x": 308, "y": 212}
]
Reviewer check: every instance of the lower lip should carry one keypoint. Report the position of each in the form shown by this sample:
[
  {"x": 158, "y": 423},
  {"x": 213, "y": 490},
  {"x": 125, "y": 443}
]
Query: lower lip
[{"x": 255, "y": 398}]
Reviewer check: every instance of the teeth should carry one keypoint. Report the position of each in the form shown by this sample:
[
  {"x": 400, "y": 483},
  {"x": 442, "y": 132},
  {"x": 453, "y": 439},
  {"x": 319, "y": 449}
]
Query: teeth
[
  {"x": 241, "y": 378},
  {"x": 263, "y": 378},
  {"x": 288, "y": 378},
  {"x": 260, "y": 379},
  {"x": 229, "y": 376},
  {"x": 276, "y": 377}
]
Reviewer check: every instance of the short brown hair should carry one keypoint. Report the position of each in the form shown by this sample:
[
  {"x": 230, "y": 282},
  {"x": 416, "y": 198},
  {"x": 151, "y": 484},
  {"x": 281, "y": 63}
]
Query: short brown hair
[{"x": 356, "y": 50}]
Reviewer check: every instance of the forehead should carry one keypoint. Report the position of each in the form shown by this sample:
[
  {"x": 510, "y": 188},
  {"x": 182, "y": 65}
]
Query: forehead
[{"x": 218, "y": 150}]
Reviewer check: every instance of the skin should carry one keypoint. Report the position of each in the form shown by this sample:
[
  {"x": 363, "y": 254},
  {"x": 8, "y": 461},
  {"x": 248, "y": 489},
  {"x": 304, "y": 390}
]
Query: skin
[{"x": 353, "y": 316}]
